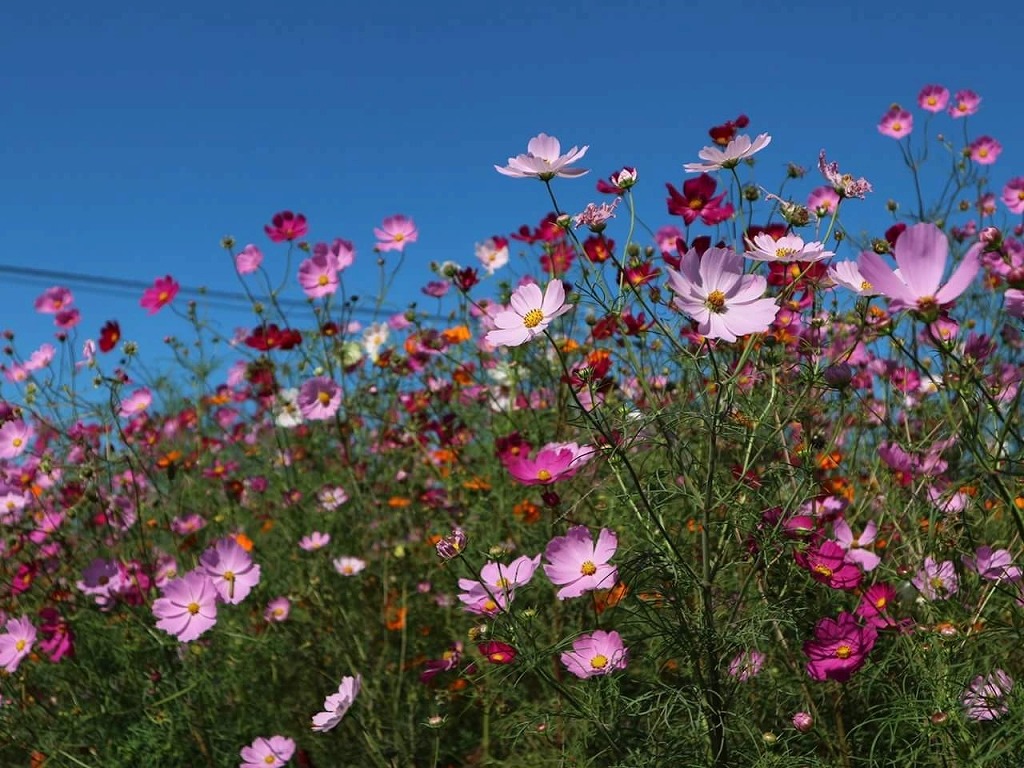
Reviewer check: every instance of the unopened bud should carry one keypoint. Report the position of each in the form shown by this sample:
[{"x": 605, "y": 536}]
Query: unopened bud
[{"x": 803, "y": 721}]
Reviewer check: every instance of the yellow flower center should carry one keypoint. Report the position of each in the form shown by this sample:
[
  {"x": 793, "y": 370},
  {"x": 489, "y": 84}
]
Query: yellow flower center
[
  {"x": 19, "y": 645},
  {"x": 715, "y": 302},
  {"x": 543, "y": 474},
  {"x": 865, "y": 285},
  {"x": 502, "y": 583},
  {"x": 270, "y": 759},
  {"x": 599, "y": 662},
  {"x": 696, "y": 204},
  {"x": 324, "y": 398},
  {"x": 17, "y": 442},
  {"x": 983, "y": 152},
  {"x": 193, "y": 608},
  {"x": 897, "y": 127},
  {"x": 932, "y": 101},
  {"x": 880, "y": 603},
  {"x": 1020, "y": 195},
  {"x": 937, "y": 583},
  {"x": 588, "y": 568},
  {"x": 824, "y": 570},
  {"x": 781, "y": 253},
  {"x": 229, "y": 575},
  {"x": 489, "y": 605},
  {"x": 844, "y": 652},
  {"x": 533, "y": 318},
  {"x": 162, "y": 296},
  {"x": 322, "y": 280}
]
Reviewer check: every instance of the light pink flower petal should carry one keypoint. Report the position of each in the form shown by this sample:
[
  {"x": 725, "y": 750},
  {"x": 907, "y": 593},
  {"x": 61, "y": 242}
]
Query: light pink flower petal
[
  {"x": 961, "y": 277},
  {"x": 921, "y": 252},
  {"x": 875, "y": 271}
]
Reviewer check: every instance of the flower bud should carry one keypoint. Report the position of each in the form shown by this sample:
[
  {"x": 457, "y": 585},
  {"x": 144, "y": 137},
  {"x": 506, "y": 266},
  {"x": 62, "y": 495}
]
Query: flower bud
[
  {"x": 803, "y": 722},
  {"x": 451, "y": 545}
]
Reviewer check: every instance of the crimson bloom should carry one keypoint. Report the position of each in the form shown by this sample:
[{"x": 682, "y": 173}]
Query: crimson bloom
[
  {"x": 110, "y": 334},
  {"x": 266, "y": 338},
  {"x": 839, "y": 648},
  {"x": 498, "y": 653},
  {"x": 187, "y": 606},
  {"x": 286, "y": 226},
  {"x": 698, "y": 200},
  {"x": 162, "y": 293},
  {"x": 578, "y": 565},
  {"x": 921, "y": 253}
]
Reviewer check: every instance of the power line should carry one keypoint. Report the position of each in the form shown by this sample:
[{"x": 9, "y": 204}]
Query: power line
[{"x": 119, "y": 286}]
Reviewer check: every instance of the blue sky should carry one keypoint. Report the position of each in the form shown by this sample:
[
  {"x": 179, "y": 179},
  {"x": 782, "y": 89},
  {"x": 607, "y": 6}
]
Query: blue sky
[{"x": 134, "y": 138}]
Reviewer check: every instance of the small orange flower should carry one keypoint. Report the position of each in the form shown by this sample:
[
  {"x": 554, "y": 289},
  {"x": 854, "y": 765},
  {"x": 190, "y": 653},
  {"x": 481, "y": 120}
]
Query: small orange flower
[
  {"x": 830, "y": 460},
  {"x": 456, "y": 335},
  {"x": 476, "y": 484},
  {"x": 609, "y": 598},
  {"x": 527, "y": 511},
  {"x": 394, "y": 615},
  {"x": 244, "y": 541},
  {"x": 399, "y": 502}
]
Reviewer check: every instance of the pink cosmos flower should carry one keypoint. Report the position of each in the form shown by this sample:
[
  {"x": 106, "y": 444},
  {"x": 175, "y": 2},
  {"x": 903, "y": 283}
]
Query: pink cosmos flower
[
  {"x": 277, "y": 609},
  {"x": 449, "y": 660},
  {"x": 137, "y": 402},
  {"x": 921, "y": 253},
  {"x": 843, "y": 183},
  {"x": 529, "y": 314},
  {"x": 985, "y": 150},
  {"x": 823, "y": 201},
  {"x": 162, "y": 292},
  {"x": 318, "y": 276},
  {"x": 319, "y": 398},
  {"x": 331, "y": 497},
  {"x": 395, "y": 232},
  {"x": 267, "y": 753},
  {"x": 498, "y": 653},
  {"x": 53, "y": 300},
  {"x": 187, "y": 606},
  {"x": 553, "y": 462},
  {"x": 936, "y": 581},
  {"x": 985, "y": 697},
  {"x": 16, "y": 643},
  {"x": 499, "y": 577},
  {"x": 348, "y": 566},
  {"x": 493, "y": 253},
  {"x": 896, "y": 123},
  {"x": 839, "y": 648},
  {"x": 847, "y": 274},
  {"x": 67, "y": 318},
  {"x": 248, "y": 260},
  {"x": 314, "y": 541},
  {"x": 827, "y": 563},
  {"x": 337, "y": 704},
  {"x": 746, "y": 665},
  {"x": 543, "y": 161},
  {"x": 714, "y": 291},
  {"x": 1014, "y": 302},
  {"x": 483, "y": 600},
  {"x": 578, "y": 565},
  {"x": 14, "y": 438},
  {"x": 1013, "y": 195},
  {"x": 41, "y": 358},
  {"x": 286, "y": 226},
  {"x": 599, "y": 653},
  {"x": 965, "y": 103},
  {"x": 874, "y": 605},
  {"x": 231, "y": 570},
  {"x": 855, "y": 545},
  {"x": 716, "y": 158},
  {"x": 992, "y": 564},
  {"x": 340, "y": 254},
  {"x": 933, "y": 98},
  {"x": 787, "y": 248}
]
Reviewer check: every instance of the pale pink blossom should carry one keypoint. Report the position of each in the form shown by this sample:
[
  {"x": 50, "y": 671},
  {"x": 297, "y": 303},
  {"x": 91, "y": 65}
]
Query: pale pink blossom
[
  {"x": 716, "y": 158},
  {"x": 529, "y": 314},
  {"x": 543, "y": 160}
]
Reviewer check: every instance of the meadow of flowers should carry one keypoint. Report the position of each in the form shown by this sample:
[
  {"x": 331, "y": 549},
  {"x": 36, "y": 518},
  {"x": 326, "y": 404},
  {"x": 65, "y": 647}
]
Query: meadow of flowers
[{"x": 742, "y": 489}]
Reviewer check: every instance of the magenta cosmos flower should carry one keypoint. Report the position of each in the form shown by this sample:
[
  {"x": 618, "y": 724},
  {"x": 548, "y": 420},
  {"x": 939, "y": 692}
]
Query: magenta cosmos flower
[
  {"x": 896, "y": 123},
  {"x": 839, "y": 648},
  {"x": 267, "y": 753},
  {"x": 599, "y": 653},
  {"x": 319, "y": 398},
  {"x": 231, "y": 570},
  {"x": 337, "y": 704},
  {"x": 933, "y": 98},
  {"x": 714, "y": 291},
  {"x": 1013, "y": 195},
  {"x": 826, "y": 562},
  {"x": 716, "y": 158},
  {"x": 529, "y": 314},
  {"x": 54, "y": 300},
  {"x": 543, "y": 161},
  {"x": 395, "y": 232},
  {"x": 187, "y": 606},
  {"x": 578, "y": 565},
  {"x": 553, "y": 462},
  {"x": 248, "y": 260},
  {"x": 965, "y": 103},
  {"x": 984, "y": 150},
  {"x": 16, "y": 643},
  {"x": 162, "y": 292},
  {"x": 921, "y": 254},
  {"x": 286, "y": 226}
]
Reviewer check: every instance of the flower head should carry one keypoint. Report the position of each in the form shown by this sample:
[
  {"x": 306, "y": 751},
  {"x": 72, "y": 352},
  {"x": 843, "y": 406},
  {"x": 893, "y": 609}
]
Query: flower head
[
  {"x": 736, "y": 150},
  {"x": 714, "y": 291},
  {"x": 348, "y": 566},
  {"x": 936, "y": 581},
  {"x": 110, "y": 334},
  {"x": 553, "y": 462},
  {"x": 543, "y": 161},
  {"x": 318, "y": 276},
  {"x": 1013, "y": 195},
  {"x": 844, "y": 184},
  {"x": 529, "y": 314},
  {"x": 985, "y": 697},
  {"x": 267, "y": 753},
  {"x": 15, "y": 436},
  {"x": 231, "y": 570},
  {"x": 493, "y": 253},
  {"x": 54, "y": 300},
  {"x": 319, "y": 398},
  {"x": 278, "y": 609},
  {"x": 921, "y": 253},
  {"x": 965, "y": 102},
  {"x": 787, "y": 248},
  {"x": 162, "y": 292},
  {"x": 839, "y": 648},
  {"x": 698, "y": 199},
  {"x": 337, "y": 704},
  {"x": 984, "y": 150},
  {"x": 16, "y": 643},
  {"x": 286, "y": 226},
  {"x": 187, "y": 606},
  {"x": 933, "y": 98},
  {"x": 599, "y": 653},
  {"x": 578, "y": 565},
  {"x": 395, "y": 232},
  {"x": 896, "y": 123},
  {"x": 248, "y": 259}
]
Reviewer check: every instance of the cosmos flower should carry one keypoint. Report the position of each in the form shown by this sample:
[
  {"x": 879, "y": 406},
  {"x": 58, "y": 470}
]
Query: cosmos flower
[
  {"x": 599, "y": 653},
  {"x": 896, "y": 123},
  {"x": 286, "y": 226},
  {"x": 839, "y": 648},
  {"x": 529, "y": 314},
  {"x": 187, "y": 606},
  {"x": 933, "y": 98},
  {"x": 543, "y": 161},
  {"x": 787, "y": 248},
  {"x": 395, "y": 232},
  {"x": 337, "y": 704},
  {"x": 552, "y": 463},
  {"x": 716, "y": 158},
  {"x": 577, "y": 565},
  {"x": 162, "y": 293},
  {"x": 267, "y": 753},
  {"x": 230, "y": 569}
]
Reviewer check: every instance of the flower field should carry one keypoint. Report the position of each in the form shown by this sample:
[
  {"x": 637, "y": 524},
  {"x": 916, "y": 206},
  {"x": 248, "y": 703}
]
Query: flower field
[{"x": 723, "y": 484}]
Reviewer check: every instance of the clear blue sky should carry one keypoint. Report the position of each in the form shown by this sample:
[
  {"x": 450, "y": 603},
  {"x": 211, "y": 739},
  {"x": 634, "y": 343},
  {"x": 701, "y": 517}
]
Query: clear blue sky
[{"x": 132, "y": 137}]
